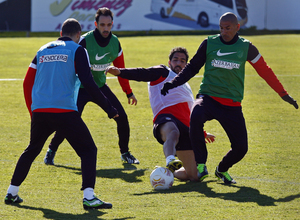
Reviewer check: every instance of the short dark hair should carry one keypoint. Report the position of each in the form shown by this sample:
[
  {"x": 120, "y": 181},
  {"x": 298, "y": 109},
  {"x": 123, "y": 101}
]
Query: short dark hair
[
  {"x": 70, "y": 27},
  {"x": 104, "y": 11},
  {"x": 179, "y": 50},
  {"x": 229, "y": 16}
]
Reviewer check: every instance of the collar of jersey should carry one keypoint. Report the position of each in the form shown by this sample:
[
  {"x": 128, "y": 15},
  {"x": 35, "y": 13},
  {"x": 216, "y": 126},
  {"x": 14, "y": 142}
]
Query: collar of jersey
[{"x": 101, "y": 41}]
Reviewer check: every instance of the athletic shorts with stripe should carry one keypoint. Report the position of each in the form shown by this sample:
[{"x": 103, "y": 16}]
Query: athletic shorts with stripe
[{"x": 184, "y": 142}]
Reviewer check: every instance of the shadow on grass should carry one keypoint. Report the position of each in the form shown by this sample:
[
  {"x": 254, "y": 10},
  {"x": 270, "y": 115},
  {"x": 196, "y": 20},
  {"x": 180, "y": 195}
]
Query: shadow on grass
[
  {"x": 129, "y": 174},
  {"x": 243, "y": 193},
  {"x": 52, "y": 214}
]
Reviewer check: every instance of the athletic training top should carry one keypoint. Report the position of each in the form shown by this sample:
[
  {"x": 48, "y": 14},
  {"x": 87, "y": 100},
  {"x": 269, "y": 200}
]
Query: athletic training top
[
  {"x": 225, "y": 69},
  {"x": 180, "y": 94},
  {"x": 177, "y": 103},
  {"x": 253, "y": 57},
  {"x": 52, "y": 79},
  {"x": 56, "y": 84},
  {"x": 102, "y": 52},
  {"x": 101, "y": 58}
]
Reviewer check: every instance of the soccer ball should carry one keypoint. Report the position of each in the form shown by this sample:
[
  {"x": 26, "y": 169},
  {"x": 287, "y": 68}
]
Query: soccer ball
[{"x": 161, "y": 178}]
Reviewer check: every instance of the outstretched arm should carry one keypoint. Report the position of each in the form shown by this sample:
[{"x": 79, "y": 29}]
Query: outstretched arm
[
  {"x": 140, "y": 74},
  {"x": 269, "y": 76}
]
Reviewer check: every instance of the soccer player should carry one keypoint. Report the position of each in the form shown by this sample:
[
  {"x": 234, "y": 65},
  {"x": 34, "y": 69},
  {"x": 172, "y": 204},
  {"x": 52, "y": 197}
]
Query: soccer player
[
  {"x": 171, "y": 114},
  {"x": 222, "y": 90},
  {"x": 103, "y": 48},
  {"x": 50, "y": 89}
]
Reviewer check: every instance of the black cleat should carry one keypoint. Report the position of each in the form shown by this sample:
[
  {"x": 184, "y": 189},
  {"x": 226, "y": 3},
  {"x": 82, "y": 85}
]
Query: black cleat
[
  {"x": 10, "y": 199},
  {"x": 129, "y": 158},
  {"x": 202, "y": 171},
  {"x": 49, "y": 158},
  {"x": 225, "y": 177}
]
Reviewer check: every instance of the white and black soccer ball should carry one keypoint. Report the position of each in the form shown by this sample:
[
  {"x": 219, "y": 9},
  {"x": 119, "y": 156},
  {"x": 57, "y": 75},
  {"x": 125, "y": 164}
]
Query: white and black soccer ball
[{"x": 161, "y": 178}]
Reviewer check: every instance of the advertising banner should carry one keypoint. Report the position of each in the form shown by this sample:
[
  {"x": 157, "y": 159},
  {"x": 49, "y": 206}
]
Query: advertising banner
[{"x": 143, "y": 15}]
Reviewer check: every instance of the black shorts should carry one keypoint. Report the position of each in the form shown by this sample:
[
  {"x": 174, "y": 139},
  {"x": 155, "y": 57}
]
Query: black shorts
[{"x": 184, "y": 142}]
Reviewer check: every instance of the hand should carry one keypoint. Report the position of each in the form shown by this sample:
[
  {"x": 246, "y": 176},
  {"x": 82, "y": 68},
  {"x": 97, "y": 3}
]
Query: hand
[
  {"x": 117, "y": 115},
  {"x": 112, "y": 70},
  {"x": 290, "y": 100},
  {"x": 167, "y": 86},
  {"x": 132, "y": 100},
  {"x": 210, "y": 138}
]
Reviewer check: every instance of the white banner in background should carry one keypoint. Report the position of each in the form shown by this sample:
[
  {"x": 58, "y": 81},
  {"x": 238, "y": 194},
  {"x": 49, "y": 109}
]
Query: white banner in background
[{"x": 143, "y": 15}]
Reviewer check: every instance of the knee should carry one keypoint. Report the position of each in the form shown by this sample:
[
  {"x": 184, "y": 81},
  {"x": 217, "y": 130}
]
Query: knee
[
  {"x": 174, "y": 135},
  {"x": 89, "y": 152},
  {"x": 122, "y": 119},
  {"x": 197, "y": 119},
  {"x": 242, "y": 151},
  {"x": 93, "y": 149}
]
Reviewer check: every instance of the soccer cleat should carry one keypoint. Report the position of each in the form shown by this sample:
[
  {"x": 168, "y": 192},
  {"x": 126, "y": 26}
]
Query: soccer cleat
[
  {"x": 174, "y": 165},
  {"x": 9, "y": 199},
  {"x": 225, "y": 177},
  {"x": 95, "y": 203},
  {"x": 129, "y": 158},
  {"x": 49, "y": 158},
  {"x": 202, "y": 171}
]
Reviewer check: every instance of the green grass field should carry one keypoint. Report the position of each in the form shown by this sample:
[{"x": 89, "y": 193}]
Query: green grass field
[{"x": 268, "y": 182}]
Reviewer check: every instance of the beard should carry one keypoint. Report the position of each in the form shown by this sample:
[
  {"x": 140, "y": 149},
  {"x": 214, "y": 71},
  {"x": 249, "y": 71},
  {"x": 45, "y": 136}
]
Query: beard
[
  {"x": 105, "y": 34},
  {"x": 176, "y": 69}
]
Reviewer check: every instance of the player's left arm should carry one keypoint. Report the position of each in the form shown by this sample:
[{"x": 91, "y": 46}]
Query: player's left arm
[
  {"x": 124, "y": 83},
  {"x": 264, "y": 71}
]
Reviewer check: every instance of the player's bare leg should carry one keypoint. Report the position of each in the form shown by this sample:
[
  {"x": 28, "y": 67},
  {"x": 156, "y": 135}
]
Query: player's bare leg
[
  {"x": 170, "y": 135},
  {"x": 189, "y": 169}
]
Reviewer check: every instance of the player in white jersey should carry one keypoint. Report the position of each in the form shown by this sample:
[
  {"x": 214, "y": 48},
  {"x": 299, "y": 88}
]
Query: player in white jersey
[{"x": 171, "y": 115}]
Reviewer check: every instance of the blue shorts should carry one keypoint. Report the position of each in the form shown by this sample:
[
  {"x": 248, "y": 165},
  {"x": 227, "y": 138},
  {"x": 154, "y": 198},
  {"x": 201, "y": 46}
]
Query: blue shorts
[{"x": 184, "y": 142}]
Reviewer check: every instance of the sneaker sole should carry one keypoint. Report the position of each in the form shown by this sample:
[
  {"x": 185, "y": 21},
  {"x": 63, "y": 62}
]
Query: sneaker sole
[
  {"x": 203, "y": 177},
  {"x": 175, "y": 166},
  {"x": 48, "y": 163},
  {"x": 9, "y": 202},
  {"x": 223, "y": 179},
  {"x": 97, "y": 207},
  {"x": 125, "y": 161}
]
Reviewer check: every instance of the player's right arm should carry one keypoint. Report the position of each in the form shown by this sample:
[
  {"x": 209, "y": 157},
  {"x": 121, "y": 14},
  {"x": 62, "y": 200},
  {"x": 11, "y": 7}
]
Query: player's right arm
[
  {"x": 140, "y": 74},
  {"x": 28, "y": 84},
  {"x": 83, "y": 70}
]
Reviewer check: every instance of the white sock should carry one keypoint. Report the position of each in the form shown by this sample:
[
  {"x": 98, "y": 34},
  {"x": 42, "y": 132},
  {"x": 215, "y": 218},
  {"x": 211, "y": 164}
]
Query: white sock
[
  {"x": 170, "y": 158},
  {"x": 88, "y": 193},
  {"x": 13, "y": 190}
]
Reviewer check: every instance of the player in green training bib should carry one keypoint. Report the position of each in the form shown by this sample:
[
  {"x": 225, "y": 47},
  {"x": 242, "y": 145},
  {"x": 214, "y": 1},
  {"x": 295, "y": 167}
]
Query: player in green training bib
[
  {"x": 222, "y": 90},
  {"x": 101, "y": 57},
  {"x": 103, "y": 49}
]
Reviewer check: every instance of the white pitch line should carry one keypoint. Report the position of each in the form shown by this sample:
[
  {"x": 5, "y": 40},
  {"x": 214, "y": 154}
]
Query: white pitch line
[
  {"x": 268, "y": 180},
  {"x": 10, "y": 79}
]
